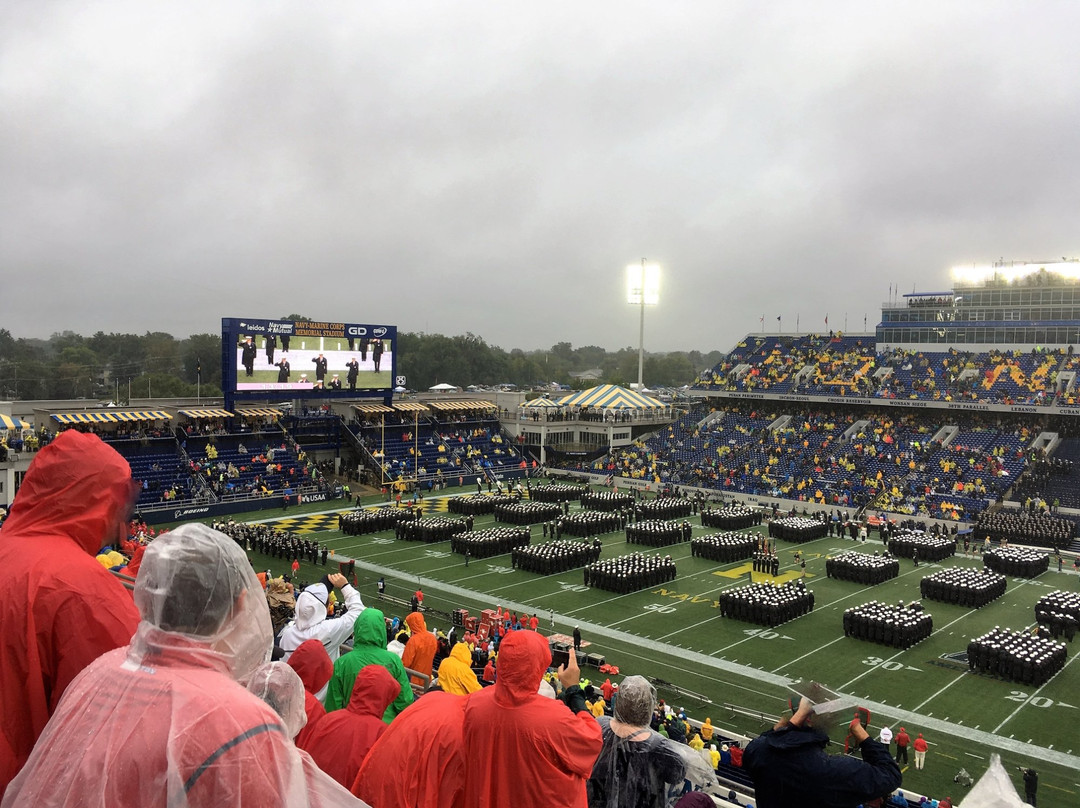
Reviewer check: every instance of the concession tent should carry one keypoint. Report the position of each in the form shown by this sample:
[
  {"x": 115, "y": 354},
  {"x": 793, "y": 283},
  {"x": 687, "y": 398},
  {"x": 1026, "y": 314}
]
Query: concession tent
[
  {"x": 466, "y": 406},
  {"x": 10, "y": 422},
  {"x": 444, "y": 388},
  {"x": 208, "y": 412},
  {"x": 542, "y": 403},
  {"x": 610, "y": 397},
  {"x": 109, "y": 416}
]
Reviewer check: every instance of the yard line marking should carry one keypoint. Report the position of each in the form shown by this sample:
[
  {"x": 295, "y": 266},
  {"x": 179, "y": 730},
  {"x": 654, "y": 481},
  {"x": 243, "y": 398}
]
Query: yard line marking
[
  {"x": 898, "y": 653},
  {"x": 1022, "y": 704},
  {"x": 950, "y": 684},
  {"x": 809, "y": 653}
]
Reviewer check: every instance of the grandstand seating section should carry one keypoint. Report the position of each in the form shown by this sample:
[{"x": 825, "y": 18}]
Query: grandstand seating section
[
  {"x": 877, "y": 460},
  {"x": 849, "y": 366},
  {"x": 429, "y": 448}
]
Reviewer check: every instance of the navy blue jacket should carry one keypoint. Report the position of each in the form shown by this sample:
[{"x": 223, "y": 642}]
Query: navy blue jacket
[{"x": 790, "y": 767}]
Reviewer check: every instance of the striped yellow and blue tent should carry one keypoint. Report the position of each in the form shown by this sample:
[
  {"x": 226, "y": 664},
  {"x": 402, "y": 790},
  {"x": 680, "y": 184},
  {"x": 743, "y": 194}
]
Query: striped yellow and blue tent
[
  {"x": 611, "y": 397},
  {"x": 541, "y": 403},
  {"x": 109, "y": 416},
  {"x": 9, "y": 422}
]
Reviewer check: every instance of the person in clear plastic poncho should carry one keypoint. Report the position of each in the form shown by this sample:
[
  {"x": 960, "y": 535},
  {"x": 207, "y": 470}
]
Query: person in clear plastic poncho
[
  {"x": 165, "y": 721},
  {"x": 636, "y": 765}
]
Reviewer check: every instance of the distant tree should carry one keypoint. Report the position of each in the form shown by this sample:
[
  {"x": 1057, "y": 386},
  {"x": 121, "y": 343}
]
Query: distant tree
[{"x": 204, "y": 350}]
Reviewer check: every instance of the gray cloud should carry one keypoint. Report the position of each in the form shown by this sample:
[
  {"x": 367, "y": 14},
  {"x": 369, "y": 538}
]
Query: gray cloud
[{"x": 493, "y": 167}]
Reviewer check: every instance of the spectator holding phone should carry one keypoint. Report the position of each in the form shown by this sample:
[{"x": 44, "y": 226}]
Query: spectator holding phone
[{"x": 789, "y": 765}]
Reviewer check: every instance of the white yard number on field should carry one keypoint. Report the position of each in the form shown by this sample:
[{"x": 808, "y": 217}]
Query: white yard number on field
[
  {"x": 1035, "y": 701},
  {"x": 886, "y": 665},
  {"x": 660, "y": 608}
]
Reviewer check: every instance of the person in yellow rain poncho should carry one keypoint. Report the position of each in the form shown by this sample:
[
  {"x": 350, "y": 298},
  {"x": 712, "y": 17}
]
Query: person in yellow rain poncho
[{"x": 455, "y": 673}]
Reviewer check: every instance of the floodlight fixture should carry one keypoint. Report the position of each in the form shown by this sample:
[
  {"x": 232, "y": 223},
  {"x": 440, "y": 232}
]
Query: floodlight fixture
[{"x": 642, "y": 289}]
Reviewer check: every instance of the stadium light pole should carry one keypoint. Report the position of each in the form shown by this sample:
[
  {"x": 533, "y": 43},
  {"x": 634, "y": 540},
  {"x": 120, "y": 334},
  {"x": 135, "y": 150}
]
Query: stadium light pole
[{"x": 642, "y": 287}]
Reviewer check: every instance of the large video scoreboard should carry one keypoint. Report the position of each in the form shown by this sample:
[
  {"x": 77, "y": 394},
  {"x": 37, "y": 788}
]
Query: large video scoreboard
[{"x": 263, "y": 359}]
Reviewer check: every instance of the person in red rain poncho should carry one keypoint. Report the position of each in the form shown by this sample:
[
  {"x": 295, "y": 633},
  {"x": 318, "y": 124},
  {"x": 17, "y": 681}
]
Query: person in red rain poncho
[
  {"x": 608, "y": 689},
  {"x": 418, "y": 762},
  {"x": 538, "y": 752},
  {"x": 165, "y": 721},
  {"x": 312, "y": 664},
  {"x": 343, "y": 738},
  {"x": 59, "y": 608}
]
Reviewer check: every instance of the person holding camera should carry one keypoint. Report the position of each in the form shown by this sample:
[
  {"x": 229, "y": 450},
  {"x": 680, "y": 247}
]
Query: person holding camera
[
  {"x": 789, "y": 765},
  {"x": 1031, "y": 784}
]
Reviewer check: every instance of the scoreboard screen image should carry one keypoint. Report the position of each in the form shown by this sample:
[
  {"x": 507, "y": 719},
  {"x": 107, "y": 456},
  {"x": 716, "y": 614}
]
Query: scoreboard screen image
[{"x": 302, "y": 359}]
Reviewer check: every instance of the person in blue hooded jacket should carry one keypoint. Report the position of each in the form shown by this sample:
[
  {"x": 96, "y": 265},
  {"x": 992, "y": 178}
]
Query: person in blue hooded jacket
[{"x": 789, "y": 766}]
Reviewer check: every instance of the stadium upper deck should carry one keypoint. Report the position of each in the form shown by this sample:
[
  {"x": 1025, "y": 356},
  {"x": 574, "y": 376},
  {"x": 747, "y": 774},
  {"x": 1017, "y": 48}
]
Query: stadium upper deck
[{"x": 1003, "y": 343}]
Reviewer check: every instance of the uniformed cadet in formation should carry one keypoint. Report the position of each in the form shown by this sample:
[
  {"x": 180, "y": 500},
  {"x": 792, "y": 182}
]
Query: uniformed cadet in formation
[
  {"x": 606, "y": 501},
  {"x": 555, "y": 556},
  {"x": 1016, "y": 562},
  {"x": 663, "y": 508},
  {"x": 593, "y": 523},
  {"x": 488, "y": 543},
  {"x": 556, "y": 492},
  {"x": 658, "y": 533},
  {"x": 376, "y": 520},
  {"x": 526, "y": 513},
  {"x": 963, "y": 586},
  {"x": 766, "y": 604},
  {"x": 862, "y": 568},
  {"x": 797, "y": 528},
  {"x": 270, "y": 541},
  {"x": 921, "y": 545},
  {"x": 890, "y": 624},
  {"x": 1019, "y": 656},
  {"x": 731, "y": 517},
  {"x": 430, "y": 530},
  {"x": 1059, "y": 612},
  {"x": 1041, "y": 530},
  {"x": 724, "y": 547},
  {"x": 630, "y": 573},
  {"x": 478, "y": 504}
]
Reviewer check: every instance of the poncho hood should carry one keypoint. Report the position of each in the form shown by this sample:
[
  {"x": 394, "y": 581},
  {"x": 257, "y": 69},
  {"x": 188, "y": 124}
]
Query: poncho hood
[
  {"x": 312, "y": 664},
  {"x": 524, "y": 656},
  {"x": 370, "y": 629},
  {"x": 77, "y": 486},
  {"x": 373, "y": 691}
]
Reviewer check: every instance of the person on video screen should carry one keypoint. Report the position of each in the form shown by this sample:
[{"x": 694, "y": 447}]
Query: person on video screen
[
  {"x": 284, "y": 369},
  {"x": 247, "y": 355},
  {"x": 271, "y": 346},
  {"x": 376, "y": 353},
  {"x": 320, "y": 368},
  {"x": 334, "y": 383},
  {"x": 354, "y": 371}
]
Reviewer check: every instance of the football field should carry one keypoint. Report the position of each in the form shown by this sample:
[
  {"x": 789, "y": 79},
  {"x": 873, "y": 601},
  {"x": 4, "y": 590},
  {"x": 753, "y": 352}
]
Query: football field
[{"x": 675, "y": 633}]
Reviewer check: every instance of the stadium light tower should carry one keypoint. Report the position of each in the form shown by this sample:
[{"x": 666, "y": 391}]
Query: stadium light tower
[{"x": 642, "y": 287}]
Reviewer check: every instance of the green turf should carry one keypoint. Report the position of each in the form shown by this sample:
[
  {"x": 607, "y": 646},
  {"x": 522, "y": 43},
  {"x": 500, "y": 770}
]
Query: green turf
[{"x": 675, "y": 632}]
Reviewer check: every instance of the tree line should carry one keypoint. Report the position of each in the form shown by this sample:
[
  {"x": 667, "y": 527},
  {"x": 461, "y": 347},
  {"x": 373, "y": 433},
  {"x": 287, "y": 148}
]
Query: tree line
[{"x": 117, "y": 367}]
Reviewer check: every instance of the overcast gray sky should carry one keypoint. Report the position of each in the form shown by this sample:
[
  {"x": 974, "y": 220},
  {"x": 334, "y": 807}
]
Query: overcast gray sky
[{"x": 493, "y": 167}]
